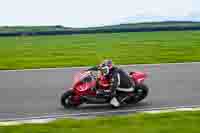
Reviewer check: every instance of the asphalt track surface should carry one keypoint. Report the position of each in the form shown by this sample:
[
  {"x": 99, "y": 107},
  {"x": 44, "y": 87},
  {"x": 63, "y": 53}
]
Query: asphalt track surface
[{"x": 36, "y": 93}]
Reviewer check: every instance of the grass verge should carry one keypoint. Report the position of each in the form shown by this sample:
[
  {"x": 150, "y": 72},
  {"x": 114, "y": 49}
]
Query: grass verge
[
  {"x": 82, "y": 50},
  {"x": 174, "y": 122}
]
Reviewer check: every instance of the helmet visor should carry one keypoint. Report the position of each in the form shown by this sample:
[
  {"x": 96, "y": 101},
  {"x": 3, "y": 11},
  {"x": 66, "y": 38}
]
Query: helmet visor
[{"x": 105, "y": 70}]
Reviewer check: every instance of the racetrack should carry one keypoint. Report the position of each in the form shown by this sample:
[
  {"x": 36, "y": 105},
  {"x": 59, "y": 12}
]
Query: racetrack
[{"x": 34, "y": 93}]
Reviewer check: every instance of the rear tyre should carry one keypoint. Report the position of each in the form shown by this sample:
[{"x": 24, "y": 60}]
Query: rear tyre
[{"x": 66, "y": 99}]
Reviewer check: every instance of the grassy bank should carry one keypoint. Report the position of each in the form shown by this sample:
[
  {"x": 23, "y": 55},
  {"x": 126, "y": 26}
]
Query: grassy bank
[
  {"x": 81, "y": 50},
  {"x": 178, "y": 122}
]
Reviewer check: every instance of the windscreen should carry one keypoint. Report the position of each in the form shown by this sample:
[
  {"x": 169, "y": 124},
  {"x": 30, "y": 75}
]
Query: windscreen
[{"x": 82, "y": 77}]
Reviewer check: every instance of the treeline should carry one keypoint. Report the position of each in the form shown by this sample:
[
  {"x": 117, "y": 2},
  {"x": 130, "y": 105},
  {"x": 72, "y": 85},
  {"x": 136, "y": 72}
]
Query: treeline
[{"x": 60, "y": 30}]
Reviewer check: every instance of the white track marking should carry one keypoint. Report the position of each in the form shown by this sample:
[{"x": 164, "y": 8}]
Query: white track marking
[
  {"x": 31, "y": 121},
  {"x": 50, "y": 118}
]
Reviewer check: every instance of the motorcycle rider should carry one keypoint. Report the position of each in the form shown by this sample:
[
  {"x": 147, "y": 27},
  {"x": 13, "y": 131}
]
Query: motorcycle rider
[{"x": 118, "y": 79}]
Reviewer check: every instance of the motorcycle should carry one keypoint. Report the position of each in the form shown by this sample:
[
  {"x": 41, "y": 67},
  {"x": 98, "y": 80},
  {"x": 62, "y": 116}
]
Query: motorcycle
[{"x": 84, "y": 90}]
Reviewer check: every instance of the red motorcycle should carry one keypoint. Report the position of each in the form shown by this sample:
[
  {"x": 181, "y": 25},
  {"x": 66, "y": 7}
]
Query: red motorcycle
[{"x": 84, "y": 90}]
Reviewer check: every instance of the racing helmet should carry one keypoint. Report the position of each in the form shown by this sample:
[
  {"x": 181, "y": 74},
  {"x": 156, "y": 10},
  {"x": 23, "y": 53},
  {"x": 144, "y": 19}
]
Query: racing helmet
[{"x": 105, "y": 67}]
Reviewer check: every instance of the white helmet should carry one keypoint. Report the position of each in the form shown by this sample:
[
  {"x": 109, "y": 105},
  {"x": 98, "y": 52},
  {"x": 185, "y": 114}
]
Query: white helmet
[{"x": 106, "y": 66}]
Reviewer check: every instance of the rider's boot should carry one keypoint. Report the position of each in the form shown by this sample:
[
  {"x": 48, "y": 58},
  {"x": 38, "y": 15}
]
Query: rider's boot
[{"x": 114, "y": 102}]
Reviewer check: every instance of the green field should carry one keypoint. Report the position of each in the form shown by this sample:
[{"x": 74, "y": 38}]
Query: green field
[
  {"x": 177, "y": 122},
  {"x": 82, "y": 50}
]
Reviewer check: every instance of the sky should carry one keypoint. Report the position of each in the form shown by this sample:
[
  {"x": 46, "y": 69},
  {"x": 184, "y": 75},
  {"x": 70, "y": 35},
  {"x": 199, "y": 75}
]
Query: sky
[{"x": 90, "y": 13}]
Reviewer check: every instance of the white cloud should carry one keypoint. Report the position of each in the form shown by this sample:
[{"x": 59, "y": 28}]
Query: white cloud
[{"x": 79, "y": 13}]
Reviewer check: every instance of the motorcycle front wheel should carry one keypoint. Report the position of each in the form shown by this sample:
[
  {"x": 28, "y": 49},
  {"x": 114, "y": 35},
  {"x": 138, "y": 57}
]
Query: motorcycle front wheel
[
  {"x": 140, "y": 93},
  {"x": 66, "y": 99}
]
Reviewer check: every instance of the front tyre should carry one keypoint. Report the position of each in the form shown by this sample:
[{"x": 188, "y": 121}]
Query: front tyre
[
  {"x": 141, "y": 92},
  {"x": 66, "y": 99}
]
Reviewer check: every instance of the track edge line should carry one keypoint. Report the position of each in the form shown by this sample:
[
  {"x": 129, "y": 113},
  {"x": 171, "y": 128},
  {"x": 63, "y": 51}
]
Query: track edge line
[{"x": 47, "y": 120}]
